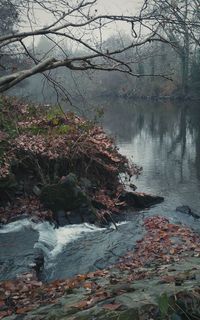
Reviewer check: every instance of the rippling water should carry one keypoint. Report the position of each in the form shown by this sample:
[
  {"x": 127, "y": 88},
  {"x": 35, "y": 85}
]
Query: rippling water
[{"x": 67, "y": 250}]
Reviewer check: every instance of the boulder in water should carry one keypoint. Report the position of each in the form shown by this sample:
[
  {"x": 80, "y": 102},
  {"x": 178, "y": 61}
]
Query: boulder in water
[
  {"x": 140, "y": 200},
  {"x": 187, "y": 210},
  {"x": 38, "y": 264},
  {"x": 65, "y": 195},
  {"x": 68, "y": 201}
]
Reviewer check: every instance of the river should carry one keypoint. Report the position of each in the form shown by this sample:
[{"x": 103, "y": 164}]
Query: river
[{"x": 163, "y": 138}]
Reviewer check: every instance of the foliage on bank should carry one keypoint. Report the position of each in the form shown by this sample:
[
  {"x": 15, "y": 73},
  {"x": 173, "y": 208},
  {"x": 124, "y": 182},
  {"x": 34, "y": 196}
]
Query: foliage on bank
[{"x": 40, "y": 146}]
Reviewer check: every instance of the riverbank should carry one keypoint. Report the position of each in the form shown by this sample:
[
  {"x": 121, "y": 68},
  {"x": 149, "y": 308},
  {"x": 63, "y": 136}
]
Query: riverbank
[
  {"x": 165, "y": 248},
  {"x": 158, "y": 280},
  {"x": 59, "y": 167}
]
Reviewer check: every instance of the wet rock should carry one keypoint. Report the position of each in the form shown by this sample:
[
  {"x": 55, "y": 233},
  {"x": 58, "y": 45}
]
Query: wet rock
[
  {"x": 133, "y": 186},
  {"x": 61, "y": 218},
  {"x": 140, "y": 200},
  {"x": 36, "y": 191},
  {"x": 187, "y": 210},
  {"x": 77, "y": 216},
  {"x": 65, "y": 195},
  {"x": 16, "y": 251},
  {"x": 68, "y": 201},
  {"x": 18, "y": 217},
  {"x": 138, "y": 299},
  {"x": 38, "y": 264},
  {"x": 184, "y": 209},
  {"x": 125, "y": 287},
  {"x": 85, "y": 184},
  {"x": 82, "y": 214}
]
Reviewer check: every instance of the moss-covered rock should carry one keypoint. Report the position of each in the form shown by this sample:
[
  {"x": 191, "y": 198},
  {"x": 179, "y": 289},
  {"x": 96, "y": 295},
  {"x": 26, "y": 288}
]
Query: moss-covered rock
[
  {"x": 68, "y": 201},
  {"x": 65, "y": 195}
]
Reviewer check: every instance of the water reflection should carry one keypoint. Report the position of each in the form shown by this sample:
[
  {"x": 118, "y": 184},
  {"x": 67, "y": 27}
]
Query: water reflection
[{"x": 164, "y": 138}]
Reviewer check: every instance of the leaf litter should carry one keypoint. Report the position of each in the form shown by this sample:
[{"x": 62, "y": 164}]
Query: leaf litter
[{"x": 163, "y": 244}]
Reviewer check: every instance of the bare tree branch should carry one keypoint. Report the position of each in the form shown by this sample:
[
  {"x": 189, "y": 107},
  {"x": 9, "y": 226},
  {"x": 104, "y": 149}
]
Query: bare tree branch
[{"x": 75, "y": 23}]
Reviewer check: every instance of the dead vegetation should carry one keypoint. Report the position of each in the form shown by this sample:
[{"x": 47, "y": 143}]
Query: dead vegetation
[{"x": 41, "y": 145}]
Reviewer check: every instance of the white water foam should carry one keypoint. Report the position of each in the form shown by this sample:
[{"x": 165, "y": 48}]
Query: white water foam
[
  {"x": 16, "y": 226},
  {"x": 52, "y": 240},
  {"x": 56, "y": 238}
]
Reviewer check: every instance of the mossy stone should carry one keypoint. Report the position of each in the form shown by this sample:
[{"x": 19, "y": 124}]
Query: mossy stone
[{"x": 65, "y": 195}]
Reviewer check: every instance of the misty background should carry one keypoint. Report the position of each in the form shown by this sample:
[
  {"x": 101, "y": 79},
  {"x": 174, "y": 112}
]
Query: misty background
[{"x": 163, "y": 69}]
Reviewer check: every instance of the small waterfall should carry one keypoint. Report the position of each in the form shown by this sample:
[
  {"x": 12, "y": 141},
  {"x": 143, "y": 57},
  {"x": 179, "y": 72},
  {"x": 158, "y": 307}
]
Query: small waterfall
[
  {"x": 15, "y": 226},
  {"x": 52, "y": 240},
  {"x": 67, "y": 250}
]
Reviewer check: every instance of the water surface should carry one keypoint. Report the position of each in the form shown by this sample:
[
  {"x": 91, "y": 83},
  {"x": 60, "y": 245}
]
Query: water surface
[{"x": 164, "y": 139}]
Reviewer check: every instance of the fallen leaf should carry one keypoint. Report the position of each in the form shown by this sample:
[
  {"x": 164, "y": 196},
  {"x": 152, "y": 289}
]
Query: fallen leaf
[
  {"x": 24, "y": 309},
  {"x": 82, "y": 304},
  {"x": 112, "y": 307},
  {"x": 3, "y": 314},
  {"x": 167, "y": 279}
]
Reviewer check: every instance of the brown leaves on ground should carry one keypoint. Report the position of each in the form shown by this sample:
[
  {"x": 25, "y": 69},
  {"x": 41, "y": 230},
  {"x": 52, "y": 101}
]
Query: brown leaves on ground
[
  {"x": 26, "y": 293},
  {"x": 163, "y": 243},
  {"x": 56, "y": 136},
  {"x": 47, "y": 144},
  {"x": 112, "y": 306}
]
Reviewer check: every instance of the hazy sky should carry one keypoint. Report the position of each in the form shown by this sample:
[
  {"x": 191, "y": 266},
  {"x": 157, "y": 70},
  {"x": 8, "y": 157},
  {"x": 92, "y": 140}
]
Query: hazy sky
[
  {"x": 104, "y": 6},
  {"x": 117, "y": 7}
]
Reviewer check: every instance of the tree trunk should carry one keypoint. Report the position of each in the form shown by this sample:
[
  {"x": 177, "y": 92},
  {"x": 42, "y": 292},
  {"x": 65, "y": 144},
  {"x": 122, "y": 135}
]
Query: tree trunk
[
  {"x": 185, "y": 74},
  {"x": 185, "y": 58}
]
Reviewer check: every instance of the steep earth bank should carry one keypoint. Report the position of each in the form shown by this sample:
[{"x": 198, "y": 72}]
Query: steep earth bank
[{"x": 60, "y": 167}]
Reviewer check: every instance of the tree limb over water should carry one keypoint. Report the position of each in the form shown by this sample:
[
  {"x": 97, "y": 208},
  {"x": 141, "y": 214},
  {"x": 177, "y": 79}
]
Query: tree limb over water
[{"x": 78, "y": 24}]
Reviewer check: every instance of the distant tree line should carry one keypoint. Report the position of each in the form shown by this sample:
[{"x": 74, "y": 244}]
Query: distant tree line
[{"x": 159, "y": 55}]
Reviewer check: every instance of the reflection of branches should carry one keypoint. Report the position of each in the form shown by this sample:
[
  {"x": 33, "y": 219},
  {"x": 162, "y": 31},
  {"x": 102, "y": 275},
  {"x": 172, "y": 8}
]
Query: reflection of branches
[{"x": 181, "y": 137}]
